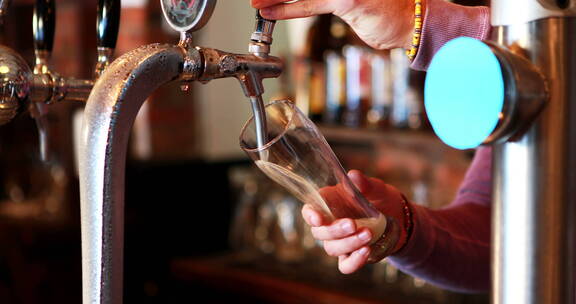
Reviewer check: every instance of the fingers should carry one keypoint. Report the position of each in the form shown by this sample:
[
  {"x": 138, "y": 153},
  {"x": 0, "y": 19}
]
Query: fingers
[
  {"x": 338, "y": 229},
  {"x": 343, "y": 246},
  {"x": 275, "y": 9},
  {"x": 373, "y": 189},
  {"x": 313, "y": 217},
  {"x": 258, "y": 4},
  {"x": 350, "y": 263},
  {"x": 360, "y": 180}
]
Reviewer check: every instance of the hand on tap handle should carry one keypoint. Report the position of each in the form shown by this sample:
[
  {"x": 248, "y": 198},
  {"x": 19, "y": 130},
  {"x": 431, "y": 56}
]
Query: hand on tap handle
[
  {"x": 259, "y": 17},
  {"x": 261, "y": 38},
  {"x": 457, "y": 235},
  {"x": 382, "y": 24}
]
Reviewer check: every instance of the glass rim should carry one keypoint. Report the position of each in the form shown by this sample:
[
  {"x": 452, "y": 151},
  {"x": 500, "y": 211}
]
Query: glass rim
[{"x": 275, "y": 139}]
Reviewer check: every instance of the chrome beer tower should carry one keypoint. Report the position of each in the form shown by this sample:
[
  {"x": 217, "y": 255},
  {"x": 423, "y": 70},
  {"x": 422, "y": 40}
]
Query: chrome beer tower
[
  {"x": 534, "y": 150},
  {"x": 110, "y": 112},
  {"x": 23, "y": 88},
  {"x": 534, "y": 216}
]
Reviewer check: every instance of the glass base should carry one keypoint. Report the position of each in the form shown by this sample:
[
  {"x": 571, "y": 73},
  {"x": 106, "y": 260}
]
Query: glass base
[{"x": 385, "y": 244}]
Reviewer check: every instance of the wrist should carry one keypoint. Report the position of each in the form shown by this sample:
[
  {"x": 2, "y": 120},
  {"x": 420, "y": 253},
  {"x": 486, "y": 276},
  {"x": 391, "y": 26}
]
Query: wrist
[
  {"x": 407, "y": 225},
  {"x": 409, "y": 25},
  {"x": 398, "y": 231}
]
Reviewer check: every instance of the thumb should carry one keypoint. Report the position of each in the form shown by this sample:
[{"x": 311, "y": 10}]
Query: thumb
[
  {"x": 359, "y": 180},
  {"x": 372, "y": 189}
]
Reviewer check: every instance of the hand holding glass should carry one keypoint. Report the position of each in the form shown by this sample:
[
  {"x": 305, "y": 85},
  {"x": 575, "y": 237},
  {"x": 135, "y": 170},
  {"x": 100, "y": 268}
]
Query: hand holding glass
[{"x": 298, "y": 158}]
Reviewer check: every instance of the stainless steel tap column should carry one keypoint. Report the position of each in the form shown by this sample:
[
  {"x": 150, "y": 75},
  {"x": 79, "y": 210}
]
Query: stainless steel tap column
[
  {"x": 109, "y": 114},
  {"x": 534, "y": 213}
]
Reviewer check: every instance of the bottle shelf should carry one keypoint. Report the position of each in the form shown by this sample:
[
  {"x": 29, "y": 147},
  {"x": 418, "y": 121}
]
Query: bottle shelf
[{"x": 341, "y": 134}]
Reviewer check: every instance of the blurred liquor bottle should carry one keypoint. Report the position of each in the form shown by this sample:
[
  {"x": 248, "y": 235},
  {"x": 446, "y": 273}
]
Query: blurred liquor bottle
[
  {"x": 358, "y": 85},
  {"x": 309, "y": 69},
  {"x": 335, "y": 88},
  {"x": 381, "y": 89},
  {"x": 335, "y": 65},
  {"x": 407, "y": 110}
]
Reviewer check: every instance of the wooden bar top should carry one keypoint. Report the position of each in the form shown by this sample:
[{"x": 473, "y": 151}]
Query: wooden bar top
[{"x": 274, "y": 282}]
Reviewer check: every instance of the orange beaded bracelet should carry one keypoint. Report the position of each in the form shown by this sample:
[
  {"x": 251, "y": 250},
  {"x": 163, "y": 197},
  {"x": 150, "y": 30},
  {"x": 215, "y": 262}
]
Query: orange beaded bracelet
[{"x": 417, "y": 30}]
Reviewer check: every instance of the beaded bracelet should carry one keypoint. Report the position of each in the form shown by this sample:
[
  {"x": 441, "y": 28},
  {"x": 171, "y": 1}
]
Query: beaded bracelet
[
  {"x": 417, "y": 30},
  {"x": 408, "y": 219},
  {"x": 388, "y": 240}
]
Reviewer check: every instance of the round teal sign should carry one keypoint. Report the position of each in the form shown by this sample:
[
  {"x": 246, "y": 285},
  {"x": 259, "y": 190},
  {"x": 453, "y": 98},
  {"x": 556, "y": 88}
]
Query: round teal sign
[{"x": 464, "y": 92}]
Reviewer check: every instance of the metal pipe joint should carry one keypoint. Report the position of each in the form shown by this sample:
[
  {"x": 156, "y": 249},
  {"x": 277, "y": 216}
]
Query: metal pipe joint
[{"x": 250, "y": 70}]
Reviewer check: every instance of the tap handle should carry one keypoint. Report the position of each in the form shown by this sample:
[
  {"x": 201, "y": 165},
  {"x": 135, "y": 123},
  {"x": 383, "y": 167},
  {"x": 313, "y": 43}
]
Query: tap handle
[
  {"x": 44, "y": 24},
  {"x": 263, "y": 29},
  {"x": 259, "y": 17},
  {"x": 108, "y": 23}
]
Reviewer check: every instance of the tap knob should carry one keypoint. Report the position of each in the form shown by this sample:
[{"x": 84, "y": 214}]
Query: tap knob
[
  {"x": 107, "y": 25},
  {"x": 263, "y": 29},
  {"x": 44, "y": 25},
  {"x": 261, "y": 38}
]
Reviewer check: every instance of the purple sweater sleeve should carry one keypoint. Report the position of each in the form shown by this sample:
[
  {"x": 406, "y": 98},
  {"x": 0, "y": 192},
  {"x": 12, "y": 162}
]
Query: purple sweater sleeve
[
  {"x": 450, "y": 247},
  {"x": 444, "y": 21}
]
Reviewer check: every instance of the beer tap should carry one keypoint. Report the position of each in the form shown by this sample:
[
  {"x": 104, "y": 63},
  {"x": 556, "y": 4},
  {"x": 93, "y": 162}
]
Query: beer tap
[
  {"x": 259, "y": 46},
  {"x": 111, "y": 110},
  {"x": 22, "y": 88},
  {"x": 249, "y": 69},
  {"x": 44, "y": 26},
  {"x": 48, "y": 86},
  {"x": 517, "y": 94}
]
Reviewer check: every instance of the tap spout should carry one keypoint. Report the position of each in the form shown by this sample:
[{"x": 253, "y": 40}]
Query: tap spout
[
  {"x": 48, "y": 88},
  {"x": 250, "y": 70},
  {"x": 109, "y": 114}
]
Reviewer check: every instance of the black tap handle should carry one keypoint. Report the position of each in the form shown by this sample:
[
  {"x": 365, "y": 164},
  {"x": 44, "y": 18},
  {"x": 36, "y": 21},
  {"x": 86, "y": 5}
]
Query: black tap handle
[
  {"x": 108, "y": 23},
  {"x": 263, "y": 29},
  {"x": 44, "y": 24}
]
